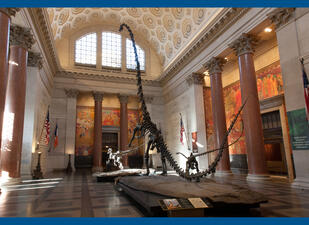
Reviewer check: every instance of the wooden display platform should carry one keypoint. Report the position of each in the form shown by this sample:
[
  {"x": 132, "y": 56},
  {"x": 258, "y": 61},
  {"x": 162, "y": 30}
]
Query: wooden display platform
[{"x": 223, "y": 199}]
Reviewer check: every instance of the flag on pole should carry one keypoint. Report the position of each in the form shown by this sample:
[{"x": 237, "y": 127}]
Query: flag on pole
[
  {"x": 182, "y": 129},
  {"x": 47, "y": 128},
  {"x": 306, "y": 89},
  {"x": 56, "y": 137}
]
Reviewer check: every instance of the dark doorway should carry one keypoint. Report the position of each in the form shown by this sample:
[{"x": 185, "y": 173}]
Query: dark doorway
[{"x": 273, "y": 140}]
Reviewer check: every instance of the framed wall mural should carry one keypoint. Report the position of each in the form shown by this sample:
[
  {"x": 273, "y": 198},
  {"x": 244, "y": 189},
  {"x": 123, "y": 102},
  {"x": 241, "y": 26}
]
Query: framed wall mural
[{"x": 85, "y": 126}]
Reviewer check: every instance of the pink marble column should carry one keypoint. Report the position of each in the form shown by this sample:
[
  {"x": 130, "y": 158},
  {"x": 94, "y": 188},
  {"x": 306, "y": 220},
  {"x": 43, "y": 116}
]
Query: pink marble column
[
  {"x": 5, "y": 14},
  {"x": 124, "y": 127},
  {"x": 243, "y": 48},
  {"x": 214, "y": 67},
  {"x": 97, "y": 148},
  {"x": 21, "y": 41}
]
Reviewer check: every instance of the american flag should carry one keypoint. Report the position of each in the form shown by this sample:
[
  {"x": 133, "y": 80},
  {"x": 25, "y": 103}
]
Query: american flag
[
  {"x": 182, "y": 129},
  {"x": 47, "y": 128},
  {"x": 306, "y": 89},
  {"x": 56, "y": 137}
]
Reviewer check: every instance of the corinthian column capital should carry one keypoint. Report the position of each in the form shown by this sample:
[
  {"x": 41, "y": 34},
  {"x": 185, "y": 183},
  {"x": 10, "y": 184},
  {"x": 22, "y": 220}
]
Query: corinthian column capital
[
  {"x": 281, "y": 16},
  {"x": 21, "y": 36},
  {"x": 9, "y": 11},
  {"x": 34, "y": 60},
  {"x": 215, "y": 65},
  {"x": 97, "y": 96},
  {"x": 195, "y": 78},
  {"x": 244, "y": 44},
  {"x": 123, "y": 98},
  {"x": 71, "y": 93}
]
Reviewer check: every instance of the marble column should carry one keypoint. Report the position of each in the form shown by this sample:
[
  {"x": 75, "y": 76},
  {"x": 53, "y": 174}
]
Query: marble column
[
  {"x": 196, "y": 119},
  {"x": 34, "y": 65},
  {"x": 244, "y": 48},
  {"x": 21, "y": 41},
  {"x": 70, "y": 126},
  {"x": 124, "y": 127},
  {"x": 214, "y": 67},
  {"x": 5, "y": 20},
  {"x": 97, "y": 148}
]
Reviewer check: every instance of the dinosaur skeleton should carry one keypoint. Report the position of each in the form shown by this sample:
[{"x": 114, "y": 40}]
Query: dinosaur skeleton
[
  {"x": 192, "y": 164},
  {"x": 156, "y": 138},
  {"x": 115, "y": 157}
]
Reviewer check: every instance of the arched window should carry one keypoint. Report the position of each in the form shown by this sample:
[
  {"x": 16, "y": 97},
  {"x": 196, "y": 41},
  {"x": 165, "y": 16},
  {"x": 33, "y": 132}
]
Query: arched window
[
  {"x": 86, "y": 49},
  {"x": 130, "y": 57}
]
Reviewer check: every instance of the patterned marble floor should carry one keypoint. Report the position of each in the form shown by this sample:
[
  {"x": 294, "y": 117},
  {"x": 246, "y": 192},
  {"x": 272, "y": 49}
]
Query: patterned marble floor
[{"x": 79, "y": 195}]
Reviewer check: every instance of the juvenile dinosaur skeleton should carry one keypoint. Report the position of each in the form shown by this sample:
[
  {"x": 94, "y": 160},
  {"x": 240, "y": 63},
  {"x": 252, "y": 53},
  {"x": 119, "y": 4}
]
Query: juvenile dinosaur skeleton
[{"x": 156, "y": 138}]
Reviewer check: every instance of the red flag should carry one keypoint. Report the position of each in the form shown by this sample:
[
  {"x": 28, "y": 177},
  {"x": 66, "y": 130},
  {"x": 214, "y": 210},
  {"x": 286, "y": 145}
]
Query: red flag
[
  {"x": 306, "y": 89},
  {"x": 47, "y": 128},
  {"x": 56, "y": 137},
  {"x": 182, "y": 129}
]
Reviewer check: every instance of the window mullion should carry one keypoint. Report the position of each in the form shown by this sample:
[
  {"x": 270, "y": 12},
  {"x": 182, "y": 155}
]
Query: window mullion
[
  {"x": 99, "y": 50},
  {"x": 124, "y": 53}
]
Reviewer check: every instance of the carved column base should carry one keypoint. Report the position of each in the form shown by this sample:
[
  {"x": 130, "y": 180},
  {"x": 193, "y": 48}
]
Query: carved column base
[
  {"x": 257, "y": 177},
  {"x": 223, "y": 173}
]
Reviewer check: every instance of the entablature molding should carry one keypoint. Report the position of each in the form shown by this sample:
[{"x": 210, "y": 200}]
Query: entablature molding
[{"x": 108, "y": 78}]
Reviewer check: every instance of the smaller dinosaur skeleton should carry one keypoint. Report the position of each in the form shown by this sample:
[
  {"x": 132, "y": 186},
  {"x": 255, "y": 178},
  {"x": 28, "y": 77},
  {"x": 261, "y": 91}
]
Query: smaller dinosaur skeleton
[
  {"x": 191, "y": 164},
  {"x": 114, "y": 158}
]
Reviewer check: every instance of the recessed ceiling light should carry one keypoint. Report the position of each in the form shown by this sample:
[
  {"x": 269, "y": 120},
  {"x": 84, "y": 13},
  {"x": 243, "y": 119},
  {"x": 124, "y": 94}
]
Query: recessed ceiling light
[
  {"x": 268, "y": 29},
  {"x": 226, "y": 58}
]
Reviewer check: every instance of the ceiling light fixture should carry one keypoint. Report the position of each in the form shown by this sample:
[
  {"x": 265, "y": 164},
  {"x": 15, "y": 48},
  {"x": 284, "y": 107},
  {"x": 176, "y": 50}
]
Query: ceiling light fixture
[{"x": 268, "y": 30}]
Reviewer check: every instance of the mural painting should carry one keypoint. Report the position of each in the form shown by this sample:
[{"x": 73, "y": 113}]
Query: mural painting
[
  {"x": 85, "y": 126},
  {"x": 269, "y": 84}
]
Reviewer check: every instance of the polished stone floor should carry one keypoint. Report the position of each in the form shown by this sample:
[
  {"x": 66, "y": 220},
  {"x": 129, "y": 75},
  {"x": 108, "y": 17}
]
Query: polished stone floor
[{"x": 79, "y": 195}]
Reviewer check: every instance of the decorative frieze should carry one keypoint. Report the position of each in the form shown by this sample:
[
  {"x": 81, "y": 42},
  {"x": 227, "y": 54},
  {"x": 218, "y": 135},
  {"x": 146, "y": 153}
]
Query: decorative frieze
[
  {"x": 215, "y": 65},
  {"x": 105, "y": 77},
  {"x": 244, "y": 44},
  {"x": 148, "y": 99},
  {"x": 123, "y": 98},
  {"x": 35, "y": 60},
  {"x": 21, "y": 36},
  {"x": 9, "y": 11},
  {"x": 195, "y": 78},
  {"x": 97, "y": 96},
  {"x": 71, "y": 93},
  {"x": 281, "y": 16}
]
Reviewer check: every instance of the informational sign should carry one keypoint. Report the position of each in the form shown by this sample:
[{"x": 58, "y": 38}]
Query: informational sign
[
  {"x": 299, "y": 129},
  {"x": 183, "y": 203}
]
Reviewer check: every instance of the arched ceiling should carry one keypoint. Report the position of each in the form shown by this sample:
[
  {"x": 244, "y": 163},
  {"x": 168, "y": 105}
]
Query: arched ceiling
[{"x": 167, "y": 30}]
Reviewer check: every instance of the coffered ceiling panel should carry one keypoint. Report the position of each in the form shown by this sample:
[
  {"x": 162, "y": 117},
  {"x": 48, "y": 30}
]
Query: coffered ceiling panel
[{"x": 167, "y": 30}]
